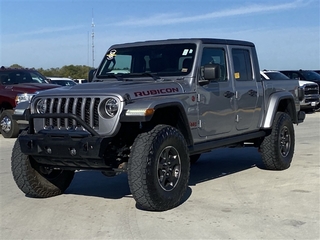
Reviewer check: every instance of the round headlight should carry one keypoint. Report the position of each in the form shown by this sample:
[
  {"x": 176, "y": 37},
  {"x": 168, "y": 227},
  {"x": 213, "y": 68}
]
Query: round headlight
[
  {"x": 111, "y": 107},
  {"x": 41, "y": 106}
]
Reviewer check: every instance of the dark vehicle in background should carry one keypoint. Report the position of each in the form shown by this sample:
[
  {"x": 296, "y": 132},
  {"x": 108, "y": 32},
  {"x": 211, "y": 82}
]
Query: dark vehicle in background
[
  {"x": 273, "y": 75},
  {"x": 62, "y": 81},
  {"x": 18, "y": 85},
  {"x": 306, "y": 75},
  {"x": 310, "y": 89}
]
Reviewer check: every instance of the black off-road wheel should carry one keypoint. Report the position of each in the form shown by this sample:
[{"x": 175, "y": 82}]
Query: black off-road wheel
[
  {"x": 9, "y": 127},
  {"x": 159, "y": 168},
  {"x": 277, "y": 148},
  {"x": 35, "y": 180}
]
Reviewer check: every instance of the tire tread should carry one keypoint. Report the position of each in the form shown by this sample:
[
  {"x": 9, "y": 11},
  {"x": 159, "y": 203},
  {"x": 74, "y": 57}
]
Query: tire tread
[
  {"x": 271, "y": 156},
  {"x": 31, "y": 182},
  {"x": 137, "y": 173}
]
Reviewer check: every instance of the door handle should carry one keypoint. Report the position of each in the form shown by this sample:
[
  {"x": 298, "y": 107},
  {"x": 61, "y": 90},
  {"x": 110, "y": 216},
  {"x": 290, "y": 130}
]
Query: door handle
[
  {"x": 252, "y": 93},
  {"x": 228, "y": 94}
]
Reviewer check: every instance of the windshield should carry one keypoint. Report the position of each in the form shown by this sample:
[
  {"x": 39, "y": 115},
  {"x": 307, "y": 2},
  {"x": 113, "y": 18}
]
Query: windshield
[
  {"x": 63, "y": 82},
  {"x": 20, "y": 76},
  {"x": 160, "y": 60},
  {"x": 276, "y": 76},
  {"x": 310, "y": 75}
]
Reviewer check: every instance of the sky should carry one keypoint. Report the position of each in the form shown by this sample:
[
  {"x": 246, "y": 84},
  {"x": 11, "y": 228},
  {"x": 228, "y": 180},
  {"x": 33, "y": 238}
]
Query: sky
[{"x": 51, "y": 34}]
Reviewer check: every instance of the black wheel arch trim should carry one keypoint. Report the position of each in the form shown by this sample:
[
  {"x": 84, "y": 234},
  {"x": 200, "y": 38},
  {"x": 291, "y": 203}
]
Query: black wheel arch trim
[{"x": 138, "y": 118}]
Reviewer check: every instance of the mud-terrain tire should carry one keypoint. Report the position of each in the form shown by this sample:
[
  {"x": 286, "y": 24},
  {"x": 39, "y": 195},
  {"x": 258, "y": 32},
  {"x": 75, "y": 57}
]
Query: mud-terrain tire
[
  {"x": 9, "y": 127},
  {"x": 277, "y": 148},
  {"x": 37, "y": 181},
  {"x": 159, "y": 168}
]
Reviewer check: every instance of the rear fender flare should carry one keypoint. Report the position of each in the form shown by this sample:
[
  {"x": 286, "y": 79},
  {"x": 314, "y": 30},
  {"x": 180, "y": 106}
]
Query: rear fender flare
[{"x": 276, "y": 103}]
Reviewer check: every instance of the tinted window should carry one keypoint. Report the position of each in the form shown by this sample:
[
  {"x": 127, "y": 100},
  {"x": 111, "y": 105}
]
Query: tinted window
[
  {"x": 276, "y": 75},
  {"x": 63, "y": 82},
  {"x": 20, "y": 76},
  {"x": 295, "y": 75},
  {"x": 242, "y": 64},
  {"x": 163, "y": 60},
  {"x": 309, "y": 75},
  {"x": 215, "y": 56}
]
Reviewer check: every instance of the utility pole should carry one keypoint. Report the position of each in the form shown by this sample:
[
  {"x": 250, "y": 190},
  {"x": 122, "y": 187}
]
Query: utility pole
[
  {"x": 92, "y": 35},
  {"x": 88, "y": 49}
]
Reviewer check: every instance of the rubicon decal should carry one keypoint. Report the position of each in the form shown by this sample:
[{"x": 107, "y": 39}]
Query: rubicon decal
[{"x": 156, "y": 92}]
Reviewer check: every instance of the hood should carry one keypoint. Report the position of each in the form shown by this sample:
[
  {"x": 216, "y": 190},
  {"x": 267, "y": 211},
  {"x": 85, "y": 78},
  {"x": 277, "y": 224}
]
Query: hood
[
  {"x": 135, "y": 89},
  {"x": 30, "y": 87},
  {"x": 302, "y": 82}
]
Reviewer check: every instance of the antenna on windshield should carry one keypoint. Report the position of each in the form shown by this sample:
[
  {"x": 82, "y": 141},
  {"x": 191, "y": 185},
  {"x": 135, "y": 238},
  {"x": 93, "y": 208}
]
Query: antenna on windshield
[{"x": 92, "y": 35}]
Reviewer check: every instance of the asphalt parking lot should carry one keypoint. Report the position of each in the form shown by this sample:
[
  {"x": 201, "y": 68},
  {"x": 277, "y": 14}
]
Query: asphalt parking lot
[{"x": 229, "y": 197}]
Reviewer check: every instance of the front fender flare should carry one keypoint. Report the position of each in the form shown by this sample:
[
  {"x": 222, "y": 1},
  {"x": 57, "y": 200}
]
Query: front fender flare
[{"x": 136, "y": 111}]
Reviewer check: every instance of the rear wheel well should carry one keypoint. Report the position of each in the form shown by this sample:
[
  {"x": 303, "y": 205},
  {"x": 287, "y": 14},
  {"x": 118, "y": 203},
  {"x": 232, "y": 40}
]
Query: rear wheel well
[{"x": 287, "y": 106}]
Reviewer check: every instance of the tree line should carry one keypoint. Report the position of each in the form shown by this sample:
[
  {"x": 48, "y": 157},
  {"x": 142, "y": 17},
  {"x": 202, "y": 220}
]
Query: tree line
[{"x": 71, "y": 71}]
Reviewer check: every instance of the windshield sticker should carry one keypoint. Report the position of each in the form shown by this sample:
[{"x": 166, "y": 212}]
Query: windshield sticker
[
  {"x": 236, "y": 75},
  {"x": 111, "y": 54},
  {"x": 185, "y": 52}
]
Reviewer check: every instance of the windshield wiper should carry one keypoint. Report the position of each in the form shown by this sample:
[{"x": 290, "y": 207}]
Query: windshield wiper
[
  {"x": 154, "y": 76},
  {"x": 110, "y": 75}
]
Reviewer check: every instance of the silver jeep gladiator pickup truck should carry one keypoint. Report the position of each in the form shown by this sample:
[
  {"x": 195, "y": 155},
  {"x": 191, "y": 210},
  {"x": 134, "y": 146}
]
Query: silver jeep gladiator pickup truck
[{"x": 151, "y": 109}]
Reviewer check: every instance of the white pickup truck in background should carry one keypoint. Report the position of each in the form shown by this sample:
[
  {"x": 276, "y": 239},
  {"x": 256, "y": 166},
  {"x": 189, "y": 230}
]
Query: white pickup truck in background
[{"x": 311, "y": 99}]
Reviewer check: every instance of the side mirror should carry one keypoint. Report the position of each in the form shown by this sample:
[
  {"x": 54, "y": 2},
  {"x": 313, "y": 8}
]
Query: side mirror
[
  {"x": 90, "y": 74},
  {"x": 211, "y": 72},
  {"x": 300, "y": 93}
]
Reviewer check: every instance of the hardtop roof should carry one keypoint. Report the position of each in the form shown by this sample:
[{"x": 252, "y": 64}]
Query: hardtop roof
[
  {"x": 4, "y": 69},
  {"x": 186, "y": 40}
]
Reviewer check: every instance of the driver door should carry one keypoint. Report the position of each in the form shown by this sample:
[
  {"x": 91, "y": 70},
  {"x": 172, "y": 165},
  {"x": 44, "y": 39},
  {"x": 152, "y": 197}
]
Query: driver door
[{"x": 216, "y": 99}]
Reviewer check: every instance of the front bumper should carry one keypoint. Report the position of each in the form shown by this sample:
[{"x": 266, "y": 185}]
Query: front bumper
[
  {"x": 21, "y": 113},
  {"x": 310, "y": 102},
  {"x": 65, "y": 151},
  {"x": 76, "y": 149},
  {"x": 301, "y": 116}
]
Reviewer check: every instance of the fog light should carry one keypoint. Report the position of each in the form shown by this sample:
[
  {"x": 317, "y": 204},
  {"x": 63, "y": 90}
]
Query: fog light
[
  {"x": 73, "y": 151},
  {"x": 49, "y": 150}
]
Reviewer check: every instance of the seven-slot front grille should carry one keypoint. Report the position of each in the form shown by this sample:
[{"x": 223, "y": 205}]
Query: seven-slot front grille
[{"x": 84, "y": 107}]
